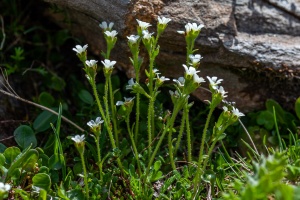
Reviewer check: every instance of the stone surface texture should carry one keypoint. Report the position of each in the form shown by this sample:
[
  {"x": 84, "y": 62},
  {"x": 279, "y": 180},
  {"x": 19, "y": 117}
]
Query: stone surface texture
[{"x": 254, "y": 45}]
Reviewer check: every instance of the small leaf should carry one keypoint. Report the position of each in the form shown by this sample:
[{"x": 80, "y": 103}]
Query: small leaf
[
  {"x": 24, "y": 136},
  {"x": 43, "y": 120},
  {"x": 2, "y": 148},
  {"x": 297, "y": 107},
  {"x": 157, "y": 165},
  {"x": 86, "y": 97},
  {"x": 46, "y": 99},
  {"x": 11, "y": 153},
  {"x": 57, "y": 83},
  {"x": 55, "y": 162},
  {"x": 42, "y": 180}
]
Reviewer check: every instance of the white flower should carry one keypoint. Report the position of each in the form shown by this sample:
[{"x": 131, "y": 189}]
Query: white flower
[
  {"x": 190, "y": 71},
  {"x": 198, "y": 79},
  {"x": 111, "y": 34},
  {"x": 236, "y": 112},
  {"x": 213, "y": 81},
  {"x": 133, "y": 38},
  {"x": 194, "y": 27},
  {"x": 175, "y": 94},
  {"x": 162, "y": 78},
  {"x": 163, "y": 20},
  {"x": 195, "y": 58},
  {"x": 130, "y": 84},
  {"x": 155, "y": 71},
  {"x": 95, "y": 123},
  {"x": 78, "y": 138},
  {"x": 143, "y": 25},
  {"x": 180, "y": 81},
  {"x": 222, "y": 91},
  {"x": 127, "y": 100},
  {"x": 225, "y": 108},
  {"x": 146, "y": 34},
  {"x": 103, "y": 25},
  {"x": 91, "y": 63},
  {"x": 79, "y": 49},
  {"x": 108, "y": 64},
  {"x": 4, "y": 187},
  {"x": 191, "y": 27}
]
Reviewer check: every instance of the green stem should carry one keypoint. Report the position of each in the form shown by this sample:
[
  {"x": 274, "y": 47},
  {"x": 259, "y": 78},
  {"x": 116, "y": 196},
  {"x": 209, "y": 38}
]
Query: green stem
[
  {"x": 150, "y": 112},
  {"x": 204, "y": 137},
  {"x": 133, "y": 145},
  {"x": 107, "y": 124},
  {"x": 171, "y": 150},
  {"x": 197, "y": 176},
  {"x": 99, "y": 155},
  {"x": 181, "y": 129},
  {"x": 137, "y": 117},
  {"x": 169, "y": 125},
  {"x": 113, "y": 111},
  {"x": 105, "y": 98},
  {"x": 85, "y": 176},
  {"x": 188, "y": 133}
]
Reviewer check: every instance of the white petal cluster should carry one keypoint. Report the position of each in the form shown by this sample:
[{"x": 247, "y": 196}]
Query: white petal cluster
[
  {"x": 130, "y": 84},
  {"x": 127, "y": 100},
  {"x": 78, "y": 138},
  {"x": 96, "y": 123},
  {"x": 163, "y": 20},
  {"x": 91, "y": 63},
  {"x": 108, "y": 64},
  {"x": 4, "y": 187},
  {"x": 195, "y": 58},
  {"x": 143, "y": 25},
  {"x": 234, "y": 111},
  {"x": 111, "y": 34},
  {"x": 180, "y": 81},
  {"x": 221, "y": 91},
  {"x": 214, "y": 82},
  {"x": 104, "y": 26},
  {"x": 133, "y": 38},
  {"x": 162, "y": 78},
  {"x": 146, "y": 34},
  {"x": 191, "y": 27},
  {"x": 198, "y": 79},
  {"x": 190, "y": 70},
  {"x": 79, "y": 49}
]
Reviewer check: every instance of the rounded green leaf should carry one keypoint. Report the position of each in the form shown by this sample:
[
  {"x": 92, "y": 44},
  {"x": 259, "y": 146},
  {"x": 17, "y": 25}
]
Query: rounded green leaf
[
  {"x": 86, "y": 97},
  {"x": 11, "y": 153},
  {"x": 57, "y": 83},
  {"x": 46, "y": 99},
  {"x": 24, "y": 136},
  {"x": 43, "y": 120},
  {"x": 2, "y": 148},
  {"x": 42, "y": 180},
  {"x": 297, "y": 107}
]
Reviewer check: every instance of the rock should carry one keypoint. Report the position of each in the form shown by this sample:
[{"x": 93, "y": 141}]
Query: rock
[{"x": 254, "y": 45}]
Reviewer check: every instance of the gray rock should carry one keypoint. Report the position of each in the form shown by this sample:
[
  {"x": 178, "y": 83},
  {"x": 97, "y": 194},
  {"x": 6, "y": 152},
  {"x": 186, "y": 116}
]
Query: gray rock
[{"x": 254, "y": 45}]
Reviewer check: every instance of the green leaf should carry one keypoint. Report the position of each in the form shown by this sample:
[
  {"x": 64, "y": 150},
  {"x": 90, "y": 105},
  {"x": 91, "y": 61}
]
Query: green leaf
[
  {"x": 75, "y": 194},
  {"x": 86, "y": 97},
  {"x": 297, "y": 107},
  {"x": 46, "y": 99},
  {"x": 25, "y": 137},
  {"x": 2, "y": 148},
  {"x": 25, "y": 160},
  {"x": 55, "y": 161},
  {"x": 43, "y": 120},
  {"x": 157, "y": 165},
  {"x": 57, "y": 83},
  {"x": 42, "y": 180},
  {"x": 266, "y": 119},
  {"x": 2, "y": 159},
  {"x": 11, "y": 153}
]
